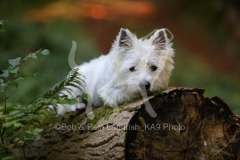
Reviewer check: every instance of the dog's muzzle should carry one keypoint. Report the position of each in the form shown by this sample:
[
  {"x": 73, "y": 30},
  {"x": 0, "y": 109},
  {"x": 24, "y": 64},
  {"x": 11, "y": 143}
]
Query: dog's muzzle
[{"x": 144, "y": 85}]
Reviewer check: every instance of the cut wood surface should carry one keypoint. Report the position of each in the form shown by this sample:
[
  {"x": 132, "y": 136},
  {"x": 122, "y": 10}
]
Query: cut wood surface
[{"x": 188, "y": 126}]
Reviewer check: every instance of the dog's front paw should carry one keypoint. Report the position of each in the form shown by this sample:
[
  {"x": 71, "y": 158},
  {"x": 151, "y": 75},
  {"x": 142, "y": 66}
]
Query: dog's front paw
[
  {"x": 112, "y": 97},
  {"x": 74, "y": 107},
  {"x": 63, "y": 109},
  {"x": 59, "y": 109}
]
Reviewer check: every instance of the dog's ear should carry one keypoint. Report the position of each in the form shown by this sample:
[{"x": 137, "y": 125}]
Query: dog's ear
[
  {"x": 160, "y": 39},
  {"x": 125, "y": 39}
]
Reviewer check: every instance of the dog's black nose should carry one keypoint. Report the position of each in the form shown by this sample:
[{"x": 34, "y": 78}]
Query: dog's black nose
[{"x": 144, "y": 85}]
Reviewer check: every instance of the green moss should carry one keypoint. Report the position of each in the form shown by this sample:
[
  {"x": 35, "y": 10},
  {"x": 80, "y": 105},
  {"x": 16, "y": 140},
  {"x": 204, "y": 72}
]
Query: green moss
[
  {"x": 106, "y": 111},
  {"x": 101, "y": 112}
]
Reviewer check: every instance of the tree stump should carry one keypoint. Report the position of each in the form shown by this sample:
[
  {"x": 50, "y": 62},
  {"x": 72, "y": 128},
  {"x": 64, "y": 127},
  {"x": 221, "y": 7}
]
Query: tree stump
[{"x": 187, "y": 126}]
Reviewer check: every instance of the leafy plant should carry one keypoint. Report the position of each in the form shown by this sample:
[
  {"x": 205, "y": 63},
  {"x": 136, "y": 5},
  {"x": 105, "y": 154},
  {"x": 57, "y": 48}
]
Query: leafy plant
[
  {"x": 1, "y": 23},
  {"x": 18, "y": 122}
]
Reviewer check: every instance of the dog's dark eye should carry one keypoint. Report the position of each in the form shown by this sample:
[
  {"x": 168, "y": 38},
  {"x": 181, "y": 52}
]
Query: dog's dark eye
[
  {"x": 132, "y": 69},
  {"x": 153, "y": 68}
]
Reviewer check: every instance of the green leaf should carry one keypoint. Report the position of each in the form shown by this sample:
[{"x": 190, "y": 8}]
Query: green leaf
[
  {"x": 45, "y": 100},
  {"x": 36, "y": 74},
  {"x": 36, "y": 121},
  {"x": 86, "y": 97},
  {"x": 37, "y": 130},
  {"x": 54, "y": 102},
  {"x": 61, "y": 101},
  {"x": 5, "y": 74},
  {"x": 28, "y": 117},
  {"x": 3, "y": 87},
  {"x": 17, "y": 124},
  {"x": 34, "y": 56},
  {"x": 3, "y": 116},
  {"x": 9, "y": 124},
  {"x": 67, "y": 101},
  {"x": 21, "y": 135},
  {"x": 45, "y": 52},
  {"x": 13, "y": 69},
  {"x": 19, "y": 115},
  {"x": 26, "y": 58},
  {"x": 15, "y": 112},
  {"x": 1, "y": 23},
  {"x": 29, "y": 136},
  {"x": 8, "y": 158},
  {"x": 30, "y": 133},
  {"x": 72, "y": 101},
  {"x": 14, "y": 84},
  {"x": 14, "y": 62}
]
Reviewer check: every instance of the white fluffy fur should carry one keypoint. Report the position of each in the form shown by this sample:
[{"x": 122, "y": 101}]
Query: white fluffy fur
[{"x": 108, "y": 78}]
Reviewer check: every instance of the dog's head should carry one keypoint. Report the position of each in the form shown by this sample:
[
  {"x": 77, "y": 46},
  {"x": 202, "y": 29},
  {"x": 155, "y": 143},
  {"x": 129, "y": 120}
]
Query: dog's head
[{"x": 142, "y": 64}]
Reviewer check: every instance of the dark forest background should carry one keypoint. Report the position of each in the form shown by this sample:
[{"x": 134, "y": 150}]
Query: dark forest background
[{"x": 206, "y": 39}]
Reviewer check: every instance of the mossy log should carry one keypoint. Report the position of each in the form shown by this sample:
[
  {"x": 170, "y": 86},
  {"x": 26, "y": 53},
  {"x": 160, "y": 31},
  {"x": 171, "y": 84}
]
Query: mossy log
[{"x": 187, "y": 126}]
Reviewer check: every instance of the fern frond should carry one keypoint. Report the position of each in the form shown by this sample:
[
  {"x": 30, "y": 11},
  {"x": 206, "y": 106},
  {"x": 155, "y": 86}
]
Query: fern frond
[{"x": 75, "y": 80}]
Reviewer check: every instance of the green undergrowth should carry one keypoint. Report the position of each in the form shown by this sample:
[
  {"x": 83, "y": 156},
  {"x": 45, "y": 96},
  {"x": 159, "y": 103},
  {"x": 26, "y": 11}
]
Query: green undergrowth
[
  {"x": 20, "y": 123},
  {"x": 101, "y": 112}
]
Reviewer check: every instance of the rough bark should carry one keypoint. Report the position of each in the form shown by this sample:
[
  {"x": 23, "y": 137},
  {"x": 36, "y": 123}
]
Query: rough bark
[{"x": 187, "y": 126}]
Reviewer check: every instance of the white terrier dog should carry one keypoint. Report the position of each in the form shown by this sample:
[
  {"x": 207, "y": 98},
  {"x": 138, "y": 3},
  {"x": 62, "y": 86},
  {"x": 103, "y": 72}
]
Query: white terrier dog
[{"x": 132, "y": 66}]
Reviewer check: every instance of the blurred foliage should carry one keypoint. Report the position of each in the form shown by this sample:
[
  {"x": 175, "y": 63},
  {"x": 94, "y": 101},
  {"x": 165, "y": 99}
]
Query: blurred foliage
[
  {"x": 21, "y": 123},
  {"x": 206, "y": 12},
  {"x": 191, "y": 72},
  {"x": 24, "y": 37},
  {"x": 17, "y": 121}
]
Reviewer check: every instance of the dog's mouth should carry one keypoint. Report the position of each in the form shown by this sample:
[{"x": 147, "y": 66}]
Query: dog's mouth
[{"x": 144, "y": 91}]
